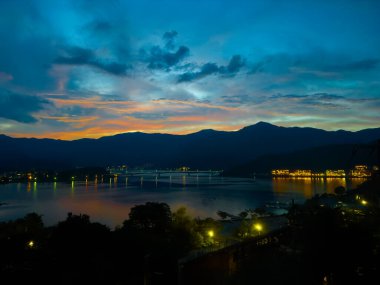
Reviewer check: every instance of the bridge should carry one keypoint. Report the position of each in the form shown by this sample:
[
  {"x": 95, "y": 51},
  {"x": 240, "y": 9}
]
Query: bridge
[{"x": 159, "y": 173}]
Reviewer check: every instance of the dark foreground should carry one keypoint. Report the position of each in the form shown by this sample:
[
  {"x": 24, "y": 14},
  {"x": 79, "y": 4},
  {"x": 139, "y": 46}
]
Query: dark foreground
[{"x": 329, "y": 240}]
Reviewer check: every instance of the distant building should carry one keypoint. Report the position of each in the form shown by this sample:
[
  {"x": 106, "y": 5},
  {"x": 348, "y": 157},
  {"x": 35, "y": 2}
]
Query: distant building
[
  {"x": 280, "y": 172},
  {"x": 292, "y": 173},
  {"x": 335, "y": 173},
  {"x": 300, "y": 173},
  {"x": 360, "y": 171}
]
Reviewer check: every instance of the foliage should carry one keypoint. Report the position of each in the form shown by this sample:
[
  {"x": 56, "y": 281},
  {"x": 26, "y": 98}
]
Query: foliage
[
  {"x": 340, "y": 190},
  {"x": 151, "y": 216},
  {"x": 222, "y": 215}
]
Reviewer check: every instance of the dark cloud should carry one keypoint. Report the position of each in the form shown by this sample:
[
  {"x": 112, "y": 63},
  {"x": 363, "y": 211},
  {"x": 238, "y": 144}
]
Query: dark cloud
[
  {"x": 82, "y": 56},
  {"x": 20, "y": 107},
  {"x": 206, "y": 69},
  {"x": 164, "y": 57},
  {"x": 233, "y": 67},
  {"x": 169, "y": 37},
  {"x": 159, "y": 58}
]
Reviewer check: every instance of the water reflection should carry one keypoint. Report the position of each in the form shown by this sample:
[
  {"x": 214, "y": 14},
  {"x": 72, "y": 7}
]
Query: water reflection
[
  {"x": 302, "y": 186},
  {"x": 203, "y": 196},
  {"x": 34, "y": 189},
  {"x": 308, "y": 187},
  {"x": 55, "y": 189}
]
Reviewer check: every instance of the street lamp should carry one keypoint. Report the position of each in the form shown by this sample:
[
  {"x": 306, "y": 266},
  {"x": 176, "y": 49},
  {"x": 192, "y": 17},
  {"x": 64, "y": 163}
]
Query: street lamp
[
  {"x": 258, "y": 227},
  {"x": 210, "y": 233},
  {"x": 30, "y": 244}
]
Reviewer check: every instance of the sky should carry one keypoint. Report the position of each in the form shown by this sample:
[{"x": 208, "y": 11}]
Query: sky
[{"x": 73, "y": 69}]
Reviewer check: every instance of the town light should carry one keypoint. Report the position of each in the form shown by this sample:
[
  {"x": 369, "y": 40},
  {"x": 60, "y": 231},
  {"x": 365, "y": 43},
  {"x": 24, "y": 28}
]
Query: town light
[
  {"x": 364, "y": 202},
  {"x": 31, "y": 244},
  {"x": 210, "y": 233}
]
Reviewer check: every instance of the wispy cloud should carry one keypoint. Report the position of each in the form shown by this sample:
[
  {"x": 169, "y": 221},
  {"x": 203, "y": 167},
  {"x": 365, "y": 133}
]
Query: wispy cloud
[{"x": 233, "y": 67}]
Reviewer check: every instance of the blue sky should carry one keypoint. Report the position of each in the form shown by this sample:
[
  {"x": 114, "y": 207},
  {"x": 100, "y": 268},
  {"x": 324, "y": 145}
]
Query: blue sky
[{"x": 77, "y": 68}]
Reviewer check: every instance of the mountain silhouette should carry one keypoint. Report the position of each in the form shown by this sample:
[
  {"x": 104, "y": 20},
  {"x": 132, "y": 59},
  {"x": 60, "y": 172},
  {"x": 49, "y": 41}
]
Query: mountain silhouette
[{"x": 206, "y": 149}]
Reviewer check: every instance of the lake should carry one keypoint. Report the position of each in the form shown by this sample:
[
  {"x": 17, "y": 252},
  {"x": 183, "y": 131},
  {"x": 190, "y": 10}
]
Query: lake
[{"x": 111, "y": 201}]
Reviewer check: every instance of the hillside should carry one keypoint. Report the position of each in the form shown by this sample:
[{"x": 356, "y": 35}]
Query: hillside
[{"x": 202, "y": 150}]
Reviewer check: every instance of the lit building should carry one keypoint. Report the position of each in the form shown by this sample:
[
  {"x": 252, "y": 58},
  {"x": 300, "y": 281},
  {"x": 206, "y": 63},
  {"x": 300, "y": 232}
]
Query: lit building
[
  {"x": 280, "y": 172},
  {"x": 360, "y": 171},
  {"x": 300, "y": 173},
  {"x": 335, "y": 173}
]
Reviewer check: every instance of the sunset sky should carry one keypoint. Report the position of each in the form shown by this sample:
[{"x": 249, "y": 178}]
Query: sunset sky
[{"x": 79, "y": 68}]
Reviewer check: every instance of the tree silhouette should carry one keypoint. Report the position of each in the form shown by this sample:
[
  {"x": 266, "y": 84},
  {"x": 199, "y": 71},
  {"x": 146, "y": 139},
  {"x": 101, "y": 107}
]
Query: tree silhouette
[
  {"x": 151, "y": 216},
  {"x": 340, "y": 190}
]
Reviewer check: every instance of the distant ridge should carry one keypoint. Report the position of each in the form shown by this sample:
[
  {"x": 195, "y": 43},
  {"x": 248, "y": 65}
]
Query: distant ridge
[{"x": 201, "y": 150}]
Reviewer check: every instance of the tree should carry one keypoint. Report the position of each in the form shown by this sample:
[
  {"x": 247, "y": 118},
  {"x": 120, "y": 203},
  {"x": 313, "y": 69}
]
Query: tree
[
  {"x": 222, "y": 215},
  {"x": 340, "y": 190},
  {"x": 184, "y": 234},
  {"x": 151, "y": 216},
  {"x": 260, "y": 211},
  {"x": 243, "y": 214}
]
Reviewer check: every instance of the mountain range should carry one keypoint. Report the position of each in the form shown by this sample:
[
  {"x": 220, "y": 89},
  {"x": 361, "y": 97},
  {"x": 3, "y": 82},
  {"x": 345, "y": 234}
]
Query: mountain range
[{"x": 258, "y": 145}]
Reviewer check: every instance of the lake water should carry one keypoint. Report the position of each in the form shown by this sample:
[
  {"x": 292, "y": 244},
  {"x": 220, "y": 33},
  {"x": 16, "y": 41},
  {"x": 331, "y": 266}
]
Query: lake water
[{"x": 110, "y": 202}]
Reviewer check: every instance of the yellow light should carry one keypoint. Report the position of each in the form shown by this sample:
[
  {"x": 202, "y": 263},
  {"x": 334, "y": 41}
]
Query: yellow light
[
  {"x": 31, "y": 244},
  {"x": 210, "y": 233},
  {"x": 364, "y": 202},
  {"x": 258, "y": 227}
]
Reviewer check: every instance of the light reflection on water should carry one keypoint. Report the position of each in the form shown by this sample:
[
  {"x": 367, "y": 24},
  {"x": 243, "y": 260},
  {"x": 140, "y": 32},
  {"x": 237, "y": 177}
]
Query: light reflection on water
[
  {"x": 312, "y": 186},
  {"x": 111, "y": 201}
]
